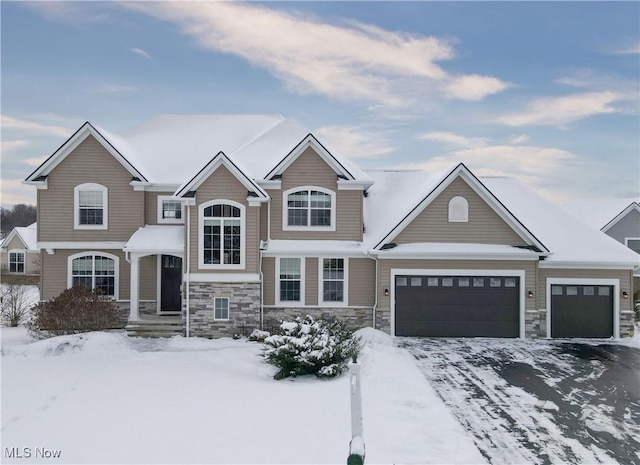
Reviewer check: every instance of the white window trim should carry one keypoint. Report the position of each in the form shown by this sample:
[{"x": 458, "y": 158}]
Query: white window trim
[
  {"x": 300, "y": 302},
  {"x": 243, "y": 236},
  {"x": 458, "y": 200},
  {"x": 627, "y": 239},
  {"x": 215, "y": 299},
  {"x": 116, "y": 266},
  {"x": 285, "y": 210},
  {"x": 24, "y": 261},
  {"x": 345, "y": 300},
  {"x": 161, "y": 220},
  {"x": 76, "y": 205},
  {"x": 587, "y": 282}
]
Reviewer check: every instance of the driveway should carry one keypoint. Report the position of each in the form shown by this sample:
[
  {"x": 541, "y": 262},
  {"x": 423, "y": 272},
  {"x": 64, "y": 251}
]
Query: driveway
[{"x": 541, "y": 401}]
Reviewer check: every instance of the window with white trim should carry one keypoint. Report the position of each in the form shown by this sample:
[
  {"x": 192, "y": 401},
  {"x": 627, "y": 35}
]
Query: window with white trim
[
  {"x": 221, "y": 308},
  {"x": 16, "y": 261},
  {"x": 309, "y": 208},
  {"x": 222, "y": 235},
  {"x": 333, "y": 279},
  {"x": 458, "y": 210},
  {"x": 170, "y": 210},
  {"x": 290, "y": 279},
  {"x": 90, "y": 206},
  {"x": 96, "y": 270},
  {"x": 633, "y": 243}
]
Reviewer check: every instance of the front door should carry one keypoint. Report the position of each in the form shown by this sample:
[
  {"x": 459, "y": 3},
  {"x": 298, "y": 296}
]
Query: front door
[{"x": 170, "y": 281}]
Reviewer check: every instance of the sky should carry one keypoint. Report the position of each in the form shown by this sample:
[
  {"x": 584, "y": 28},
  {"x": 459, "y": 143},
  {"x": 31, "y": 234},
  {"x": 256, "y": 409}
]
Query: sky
[{"x": 546, "y": 92}]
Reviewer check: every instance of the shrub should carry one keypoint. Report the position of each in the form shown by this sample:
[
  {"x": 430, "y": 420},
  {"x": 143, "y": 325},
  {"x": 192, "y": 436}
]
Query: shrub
[
  {"x": 636, "y": 306},
  {"x": 76, "y": 310},
  {"x": 307, "y": 346},
  {"x": 14, "y": 305},
  {"x": 258, "y": 335}
]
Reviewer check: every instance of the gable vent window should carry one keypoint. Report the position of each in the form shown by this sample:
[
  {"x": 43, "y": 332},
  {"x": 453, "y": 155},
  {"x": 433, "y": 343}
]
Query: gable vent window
[
  {"x": 458, "y": 210},
  {"x": 311, "y": 208},
  {"x": 90, "y": 206}
]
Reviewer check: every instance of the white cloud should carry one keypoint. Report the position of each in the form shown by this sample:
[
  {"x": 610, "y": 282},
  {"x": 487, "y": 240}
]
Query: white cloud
[
  {"x": 631, "y": 49},
  {"x": 453, "y": 139},
  {"x": 9, "y": 146},
  {"x": 353, "y": 61},
  {"x": 353, "y": 142},
  {"x": 139, "y": 51},
  {"x": 9, "y": 122},
  {"x": 14, "y": 192},
  {"x": 518, "y": 139},
  {"x": 71, "y": 13},
  {"x": 474, "y": 87},
  {"x": 557, "y": 111}
]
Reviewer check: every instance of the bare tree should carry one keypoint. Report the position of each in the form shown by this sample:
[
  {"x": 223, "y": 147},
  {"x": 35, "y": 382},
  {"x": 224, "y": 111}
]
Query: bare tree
[
  {"x": 19, "y": 215},
  {"x": 14, "y": 304}
]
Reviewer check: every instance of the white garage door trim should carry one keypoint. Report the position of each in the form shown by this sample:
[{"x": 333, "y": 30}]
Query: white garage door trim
[
  {"x": 587, "y": 282},
  {"x": 448, "y": 272}
]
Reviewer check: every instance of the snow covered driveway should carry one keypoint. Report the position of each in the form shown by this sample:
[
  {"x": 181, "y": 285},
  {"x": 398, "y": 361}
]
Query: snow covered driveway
[{"x": 539, "y": 401}]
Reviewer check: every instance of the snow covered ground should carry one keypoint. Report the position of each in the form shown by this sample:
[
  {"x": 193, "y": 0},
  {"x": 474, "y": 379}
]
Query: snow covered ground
[{"x": 106, "y": 398}]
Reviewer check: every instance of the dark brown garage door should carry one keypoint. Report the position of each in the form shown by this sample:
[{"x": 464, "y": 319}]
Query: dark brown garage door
[
  {"x": 581, "y": 311},
  {"x": 457, "y": 306}
]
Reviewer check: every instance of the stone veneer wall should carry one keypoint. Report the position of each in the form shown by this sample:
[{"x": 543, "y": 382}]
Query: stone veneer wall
[
  {"x": 356, "y": 318},
  {"x": 244, "y": 309},
  {"x": 145, "y": 307},
  {"x": 535, "y": 324},
  {"x": 626, "y": 324}
]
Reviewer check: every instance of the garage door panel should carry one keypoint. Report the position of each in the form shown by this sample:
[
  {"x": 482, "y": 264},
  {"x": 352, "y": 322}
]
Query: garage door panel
[
  {"x": 472, "y": 306},
  {"x": 581, "y": 311}
]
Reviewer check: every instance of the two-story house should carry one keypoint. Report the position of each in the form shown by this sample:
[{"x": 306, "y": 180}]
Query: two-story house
[{"x": 225, "y": 223}]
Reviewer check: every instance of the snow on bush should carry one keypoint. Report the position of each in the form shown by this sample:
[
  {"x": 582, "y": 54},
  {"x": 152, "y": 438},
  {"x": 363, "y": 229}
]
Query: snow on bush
[
  {"x": 258, "y": 335},
  {"x": 307, "y": 346},
  {"x": 15, "y": 302},
  {"x": 76, "y": 310}
]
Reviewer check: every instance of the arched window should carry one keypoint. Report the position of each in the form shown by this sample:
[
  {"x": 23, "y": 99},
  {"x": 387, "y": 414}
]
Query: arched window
[
  {"x": 309, "y": 208},
  {"x": 222, "y": 234},
  {"x": 95, "y": 270},
  {"x": 458, "y": 210},
  {"x": 90, "y": 206}
]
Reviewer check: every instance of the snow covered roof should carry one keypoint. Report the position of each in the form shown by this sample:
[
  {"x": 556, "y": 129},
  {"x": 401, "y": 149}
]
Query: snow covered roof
[
  {"x": 598, "y": 213},
  {"x": 27, "y": 234},
  {"x": 460, "y": 251},
  {"x": 155, "y": 239},
  {"x": 570, "y": 242},
  {"x": 314, "y": 247}
]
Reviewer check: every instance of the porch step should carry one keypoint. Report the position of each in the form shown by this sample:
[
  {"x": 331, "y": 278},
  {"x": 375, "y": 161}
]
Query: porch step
[{"x": 155, "y": 326}]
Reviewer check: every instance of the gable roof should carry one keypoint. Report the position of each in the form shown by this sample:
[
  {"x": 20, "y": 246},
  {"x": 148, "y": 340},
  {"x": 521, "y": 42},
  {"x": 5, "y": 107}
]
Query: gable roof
[
  {"x": 601, "y": 213},
  {"x": 86, "y": 130},
  {"x": 221, "y": 160},
  {"x": 571, "y": 242},
  {"x": 401, "y": 213},
  {"x": 26, "y": 234},
  {"x": 340, "y": 165}
]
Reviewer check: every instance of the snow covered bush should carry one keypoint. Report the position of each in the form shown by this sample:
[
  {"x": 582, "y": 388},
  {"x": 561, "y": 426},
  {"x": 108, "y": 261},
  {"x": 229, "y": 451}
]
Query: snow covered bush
[
  {"x": 14, "y": 304},
  {"x": 307, "y": 346},
  {"x": 258, "y": 335},
  {"x": 76, "y": 310}
]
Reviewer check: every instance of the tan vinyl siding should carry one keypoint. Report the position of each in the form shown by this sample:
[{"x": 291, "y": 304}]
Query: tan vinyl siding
[
  {"x": 311, "y": 281},
  {"x": 362, "y": 282},
  {"x": 269, "y": 280},
  {"x": 309, "y": 169},
  {"x": 15, "y": 243},
  {"x": 148, "y": 278},
  {"x": 264, "y": 221},
  {"x": 89, "y": 163},
  {"x": 223, "y": 185},
  {"x": 31, "y": 263},
  {"x": 385, "y": 267},
  {"x": 484, "y": 226},
  {"x": 54, "y": 281},
  {"x": 624, "y": 276}
]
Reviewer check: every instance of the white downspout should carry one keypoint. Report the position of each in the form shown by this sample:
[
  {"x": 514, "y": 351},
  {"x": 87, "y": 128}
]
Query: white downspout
[
  {"x": 188, "y": 267},
  {"x": 375, "y": 302}
]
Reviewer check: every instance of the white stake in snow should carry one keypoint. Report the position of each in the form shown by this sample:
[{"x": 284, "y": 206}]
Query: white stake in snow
[{"x": 356, "y": 446}]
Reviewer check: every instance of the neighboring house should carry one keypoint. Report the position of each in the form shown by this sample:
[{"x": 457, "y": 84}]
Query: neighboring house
[
  {"x": 618, "y": 218},
  {"x": 19, "y": 253},
  {"x": 232, "y": 222}
]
